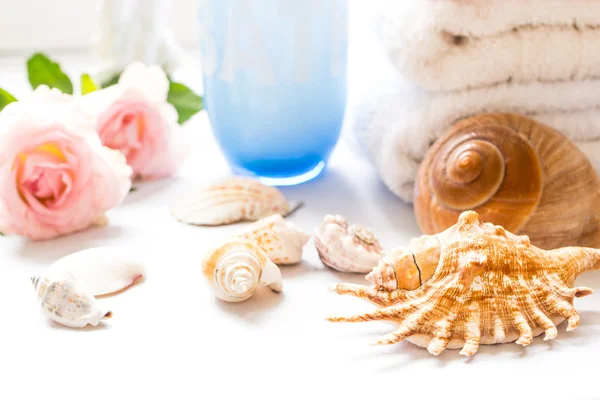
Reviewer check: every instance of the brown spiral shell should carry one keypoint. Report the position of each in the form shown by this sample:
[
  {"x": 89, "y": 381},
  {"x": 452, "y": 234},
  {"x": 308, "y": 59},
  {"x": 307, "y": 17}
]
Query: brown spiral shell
[{"x": 515, "y": 172}]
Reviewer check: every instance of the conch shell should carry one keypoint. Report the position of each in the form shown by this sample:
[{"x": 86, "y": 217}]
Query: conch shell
[
  {"x": 231, "y": 200},
  {"x": 67, "y": 301},
  {"x": 281, "y": 240},
  {"x": 344, "y": 248},
  {"x": 104, "y": 270},
  {"x": 515, "y": 172},
  {"x": 479, "y": 284},
  {"x": 235, "y": 267}
]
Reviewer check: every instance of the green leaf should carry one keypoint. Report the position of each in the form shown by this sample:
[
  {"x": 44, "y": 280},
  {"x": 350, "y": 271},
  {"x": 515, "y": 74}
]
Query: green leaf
[
  {"x": 186, "y": 102},
  {"x": 2, "y": 234},
  {"x": 87, "y": 84},
  {"x": 113, "y": 80},
  {"x": 5, "y": 98},
  {"x": 43, "y": 71}
]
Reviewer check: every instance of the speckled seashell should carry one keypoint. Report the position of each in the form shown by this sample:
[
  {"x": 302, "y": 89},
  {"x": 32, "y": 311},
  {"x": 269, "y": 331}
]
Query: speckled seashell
[
  {"x": 67, "y": 301},
  {"x": 235, "y": 268},
  {"x": 103, "y": 270},
  {"x": 231, "y": 200},
  {"x": 344, "y": 248},
  {"x": 281, "y": 240},
  {"x": 474, "y": 283}
]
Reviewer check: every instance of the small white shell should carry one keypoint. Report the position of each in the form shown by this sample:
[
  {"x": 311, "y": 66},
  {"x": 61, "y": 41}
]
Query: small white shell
[
  {"x": 68, "y": 301},
  {"x": 281, "y": 240},
  {"x": 347, "y": 249},
  {"x": 234, "y": 269},
  {"x": 231, "y": 200},
  {"x": 104, "y": 270}
]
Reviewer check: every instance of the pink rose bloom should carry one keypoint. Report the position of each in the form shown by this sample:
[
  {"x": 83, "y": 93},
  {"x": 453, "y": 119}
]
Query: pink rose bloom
[
  {"x": 55, "y": 176},
  {"x": 134, "y": 117}
]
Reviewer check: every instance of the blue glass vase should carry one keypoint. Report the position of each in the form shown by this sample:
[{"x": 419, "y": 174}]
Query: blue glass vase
[{"x": 274, "y": 75}]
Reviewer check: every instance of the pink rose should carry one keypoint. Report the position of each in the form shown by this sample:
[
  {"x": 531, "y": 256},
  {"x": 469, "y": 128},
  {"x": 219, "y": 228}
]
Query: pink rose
[
  {"x": 135, "y": 118},
  {"x": 55, "y": 176}
]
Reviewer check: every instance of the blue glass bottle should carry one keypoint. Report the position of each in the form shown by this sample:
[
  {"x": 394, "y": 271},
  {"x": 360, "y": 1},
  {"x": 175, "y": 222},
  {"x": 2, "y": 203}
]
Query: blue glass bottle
[{"x": 275, "y": 83}]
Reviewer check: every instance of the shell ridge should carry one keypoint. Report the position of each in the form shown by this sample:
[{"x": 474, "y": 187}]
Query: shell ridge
[
  {"x": 229, "y": 201},
  {"x": 490, "y": 286}
]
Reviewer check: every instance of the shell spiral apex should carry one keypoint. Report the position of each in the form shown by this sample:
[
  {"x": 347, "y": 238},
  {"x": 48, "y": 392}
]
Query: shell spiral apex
[
  {"x": 514, "y": 172},
  {"x": 346, "y": 248},
  {"x": 474, "y": 283},
  {"x": 235, "y": 268}
]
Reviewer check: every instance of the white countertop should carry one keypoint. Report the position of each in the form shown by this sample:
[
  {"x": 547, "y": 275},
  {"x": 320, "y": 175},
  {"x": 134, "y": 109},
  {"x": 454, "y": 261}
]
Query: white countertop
[{"x": 171, "y": 337}]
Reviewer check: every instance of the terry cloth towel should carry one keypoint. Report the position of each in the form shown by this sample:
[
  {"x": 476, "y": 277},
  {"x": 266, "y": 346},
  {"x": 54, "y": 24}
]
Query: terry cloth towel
[
  {"x": 396, "y": 117},
  {"x": 459, "y": 44}
]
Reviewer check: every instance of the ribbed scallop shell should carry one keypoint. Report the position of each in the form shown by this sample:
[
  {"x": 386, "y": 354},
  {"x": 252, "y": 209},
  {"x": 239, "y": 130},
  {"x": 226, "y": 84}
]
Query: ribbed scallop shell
[
  {"x": 346, "y": 248},
  {"x": 103, "y": 270},
  {"x": 281, "y": 240},
  {"x": 230, "y": 200},
  {"x": 489, "y": 287},
  {"x": 235, "y": 268},
  {"x": 68, "y": 301}
]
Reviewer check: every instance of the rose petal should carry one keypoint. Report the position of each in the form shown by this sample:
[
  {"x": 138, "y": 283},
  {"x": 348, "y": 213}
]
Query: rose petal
[{"x": 54, "y": 175}]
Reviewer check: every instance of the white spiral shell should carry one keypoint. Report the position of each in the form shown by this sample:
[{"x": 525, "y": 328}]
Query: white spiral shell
[
  {"x": 67, "y": 301},
  {"x": 235, "y": 268},
  {"x": 237, "y": 275}
]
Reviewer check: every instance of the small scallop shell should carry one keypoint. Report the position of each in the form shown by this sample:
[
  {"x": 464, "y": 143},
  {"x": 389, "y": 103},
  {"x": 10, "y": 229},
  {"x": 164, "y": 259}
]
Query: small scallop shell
[
  {"x": 104, "y": 270},
  {"x": 347, "y": 249},
  {"x": 231, "y": 200},
  {"x": 235, "y": 267},
  {"x": 68, "y": 301},
  {"x": 281, "y": 240}
]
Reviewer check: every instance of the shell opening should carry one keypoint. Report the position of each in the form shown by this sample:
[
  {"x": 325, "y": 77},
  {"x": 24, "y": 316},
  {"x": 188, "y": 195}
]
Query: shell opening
[{"x": 237, "y": 274}]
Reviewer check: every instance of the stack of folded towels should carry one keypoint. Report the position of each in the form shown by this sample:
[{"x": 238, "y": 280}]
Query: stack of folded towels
[{"x": 450, "y": 59}]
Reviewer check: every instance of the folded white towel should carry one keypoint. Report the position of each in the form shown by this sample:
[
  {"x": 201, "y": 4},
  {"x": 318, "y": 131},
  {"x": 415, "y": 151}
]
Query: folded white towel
[
  {"x": 398, "y": 122},
  {"x": 459, "y": 44}
]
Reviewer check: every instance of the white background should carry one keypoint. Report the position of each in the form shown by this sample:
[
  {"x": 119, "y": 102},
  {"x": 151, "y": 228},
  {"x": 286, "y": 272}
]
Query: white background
[
  {"x": 171, "y": 338},
  {"x": 68, "y": 25}
]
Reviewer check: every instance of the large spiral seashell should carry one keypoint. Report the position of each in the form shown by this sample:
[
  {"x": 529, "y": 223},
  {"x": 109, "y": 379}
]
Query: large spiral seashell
[
  {"x": 514, "y": 172},
  {"x": 68, "y": 301},
  {"x": 235, "y": 268},
  {"x": 472, "y": 284}
]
